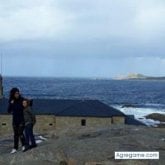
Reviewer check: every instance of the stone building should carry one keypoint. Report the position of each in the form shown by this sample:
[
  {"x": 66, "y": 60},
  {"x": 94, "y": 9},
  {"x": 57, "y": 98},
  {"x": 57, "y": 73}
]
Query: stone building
[{"x": 60, "y": 115}]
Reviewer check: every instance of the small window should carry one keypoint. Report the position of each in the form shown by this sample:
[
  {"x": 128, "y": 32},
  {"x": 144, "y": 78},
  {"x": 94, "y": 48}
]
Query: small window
[
  {"x": 83, "y": 122},
  {"x": 50, "y": 124},
  {"x": 4, "y": 124}
]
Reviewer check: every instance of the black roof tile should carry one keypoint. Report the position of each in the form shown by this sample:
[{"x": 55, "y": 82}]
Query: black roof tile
[
  {"x": 92, "y": 108},
  {"x": 74, "y": 108}
]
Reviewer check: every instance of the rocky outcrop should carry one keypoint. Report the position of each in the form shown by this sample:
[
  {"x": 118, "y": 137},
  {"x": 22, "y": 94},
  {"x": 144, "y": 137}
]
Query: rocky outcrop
[
  {"x": 89, "y": 147},
  {"x": 156, "y": 116},
  {"x": 132, "y": 76},
  {"x": 137, "y": 76}
]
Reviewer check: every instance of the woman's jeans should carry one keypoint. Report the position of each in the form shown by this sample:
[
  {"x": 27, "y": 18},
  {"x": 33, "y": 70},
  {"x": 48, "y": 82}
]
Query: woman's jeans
[
  {"x": 29, "y": 136},
  {"x": 18, "y": 134}
]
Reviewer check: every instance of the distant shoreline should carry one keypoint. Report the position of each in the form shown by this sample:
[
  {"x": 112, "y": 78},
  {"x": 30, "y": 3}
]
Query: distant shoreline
[
  {"x": 135, "y": 76},
  {"x": 83, "y": 78},
  {"x": 145, "y": 79}
]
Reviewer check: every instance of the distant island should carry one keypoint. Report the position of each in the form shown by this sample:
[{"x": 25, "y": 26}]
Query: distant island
[{"x": 137, "y": 76}]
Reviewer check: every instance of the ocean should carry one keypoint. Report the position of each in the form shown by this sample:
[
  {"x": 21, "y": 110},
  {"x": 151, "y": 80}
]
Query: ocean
[{"x": 138, "y": 97}]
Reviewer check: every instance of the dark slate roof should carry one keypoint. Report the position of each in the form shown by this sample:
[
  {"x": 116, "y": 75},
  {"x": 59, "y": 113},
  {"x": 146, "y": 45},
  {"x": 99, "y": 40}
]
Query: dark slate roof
[
  {"x": 52, "y": 106},
  {"x": 74, "y": 108},
  {"x": 88, "y": 108}
]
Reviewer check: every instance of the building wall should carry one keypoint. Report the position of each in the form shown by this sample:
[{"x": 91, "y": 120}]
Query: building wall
[
  {"x": 50, "y": 122},
  {"x": 43, "y": 124},
  {"x": 76, "y": 122},
  {"x": 118, "y": 120},
  {"x": 5, "y": 124}
]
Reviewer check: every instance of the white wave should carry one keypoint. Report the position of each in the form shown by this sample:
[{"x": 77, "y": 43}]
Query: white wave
[
  {"x": 140, "y": 113},
  {"x": 149, "y": 122}
]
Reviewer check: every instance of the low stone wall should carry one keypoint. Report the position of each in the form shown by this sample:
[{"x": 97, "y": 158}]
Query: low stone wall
[
  {"x": 118, "y": 120},
  {"x": 44, "y": 123},
  {"x": 80, "y": 122},
  {"x": 47, "y": 123},
  {"x": 6, "y": 124}
]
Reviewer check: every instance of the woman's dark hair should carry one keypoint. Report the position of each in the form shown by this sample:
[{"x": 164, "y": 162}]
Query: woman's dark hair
[{"x": 12, "y": 93}]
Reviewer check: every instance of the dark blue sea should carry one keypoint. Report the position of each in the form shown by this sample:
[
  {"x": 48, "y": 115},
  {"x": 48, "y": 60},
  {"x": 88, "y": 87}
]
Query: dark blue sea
[
  {"x": 140, "y": 93},
  {"x": 132, "y": 97}
]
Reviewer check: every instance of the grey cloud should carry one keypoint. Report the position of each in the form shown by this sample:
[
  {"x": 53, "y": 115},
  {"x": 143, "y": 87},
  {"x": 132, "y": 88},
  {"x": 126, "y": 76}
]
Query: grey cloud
[{"x": 94, "y": 32}]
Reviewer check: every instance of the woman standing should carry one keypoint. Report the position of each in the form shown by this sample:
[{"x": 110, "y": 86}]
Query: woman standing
[{"x": 15, "y": 107}]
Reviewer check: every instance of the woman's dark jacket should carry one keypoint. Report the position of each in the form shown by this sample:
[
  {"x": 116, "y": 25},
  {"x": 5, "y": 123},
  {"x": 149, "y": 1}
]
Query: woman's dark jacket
[{"x": 16, "y": 108}]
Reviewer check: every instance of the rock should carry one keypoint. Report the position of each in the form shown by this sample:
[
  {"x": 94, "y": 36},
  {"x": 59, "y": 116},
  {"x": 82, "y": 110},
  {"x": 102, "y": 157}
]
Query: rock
[
  {"x": 63, "y": 163},
  {"x": 72, "y": 162},
  {"x": 118, "y": 162},
  {"x": 128, "y": 105},
  {"x": 93, "y": 163},
  {"x": 156, "y": 116},
  {"x": 89, "y": 147},
  {"x": 89, "y": 135}
]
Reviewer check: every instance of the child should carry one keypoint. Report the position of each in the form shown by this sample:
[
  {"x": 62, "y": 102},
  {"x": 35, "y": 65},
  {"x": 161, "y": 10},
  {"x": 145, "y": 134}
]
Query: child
[{"x": 30, "y": 120}]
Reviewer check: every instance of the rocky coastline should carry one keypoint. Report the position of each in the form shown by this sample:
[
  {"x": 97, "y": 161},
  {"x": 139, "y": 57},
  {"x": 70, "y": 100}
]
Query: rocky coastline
[
  {"x": 89, "y": 147},
  {"x": 137, "y": 76}
]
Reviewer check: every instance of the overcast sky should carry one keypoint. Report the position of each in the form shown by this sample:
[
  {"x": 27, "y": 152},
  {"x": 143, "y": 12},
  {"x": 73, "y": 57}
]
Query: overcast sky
[{"x": 82, "y": 38}]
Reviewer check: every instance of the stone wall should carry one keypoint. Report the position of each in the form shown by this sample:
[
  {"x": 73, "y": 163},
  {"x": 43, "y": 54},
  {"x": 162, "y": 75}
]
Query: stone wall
[
  {"x": 80, "y": 122},
  {"x": 118, "y": 120},
  {"x": 44, "y": 123},
  {"x": 50, "y": 122},
  {"x": 5, "y": 124}
]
